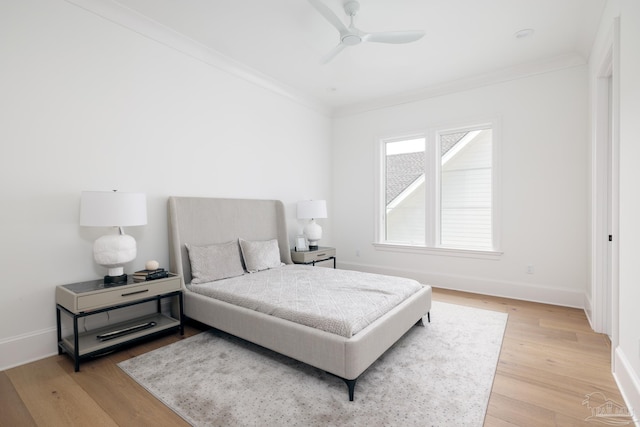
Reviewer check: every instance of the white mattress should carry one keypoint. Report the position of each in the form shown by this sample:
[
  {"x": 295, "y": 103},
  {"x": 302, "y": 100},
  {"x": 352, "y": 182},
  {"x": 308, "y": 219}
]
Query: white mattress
[{"x": 338, "y": 301}]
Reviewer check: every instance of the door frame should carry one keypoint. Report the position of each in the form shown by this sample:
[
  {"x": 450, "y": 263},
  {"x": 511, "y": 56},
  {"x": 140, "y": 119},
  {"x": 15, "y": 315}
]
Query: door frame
[{"x": 605, "y": 191}]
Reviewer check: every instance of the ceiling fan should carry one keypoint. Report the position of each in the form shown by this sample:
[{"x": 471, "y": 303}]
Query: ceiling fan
[{"x": 351, "y": 36}]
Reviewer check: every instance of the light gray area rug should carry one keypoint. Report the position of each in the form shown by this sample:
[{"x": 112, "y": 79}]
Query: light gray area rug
[{"x": 437, "y": 375}]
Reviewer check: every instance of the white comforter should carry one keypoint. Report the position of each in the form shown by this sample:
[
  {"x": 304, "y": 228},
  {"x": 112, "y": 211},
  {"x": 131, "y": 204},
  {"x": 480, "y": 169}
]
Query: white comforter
[{"x": 342, "y": 302}]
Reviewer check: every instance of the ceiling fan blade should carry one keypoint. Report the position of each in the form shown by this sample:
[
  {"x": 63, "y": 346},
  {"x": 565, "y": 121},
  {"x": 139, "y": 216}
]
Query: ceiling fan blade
[
  {"x": 329, "y": 15},
  {"x": 395, "y": 37},
  {"x": 336, "y": 50}
]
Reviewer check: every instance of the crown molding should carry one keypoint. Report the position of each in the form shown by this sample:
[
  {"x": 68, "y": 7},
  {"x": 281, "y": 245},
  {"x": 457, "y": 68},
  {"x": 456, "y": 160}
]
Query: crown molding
[
  {"x": 494, "y": 77},
  {"x": 132, "y": 20}
]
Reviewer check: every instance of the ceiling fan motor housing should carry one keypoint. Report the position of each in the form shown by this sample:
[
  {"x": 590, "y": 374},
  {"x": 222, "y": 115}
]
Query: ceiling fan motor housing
[
  {"x": 351, "y": 7},
  {"x": 351, "y": 39}
]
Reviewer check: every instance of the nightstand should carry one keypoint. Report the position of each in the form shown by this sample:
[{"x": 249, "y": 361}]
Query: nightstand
[
  {"x": 83, "y": 299},
  {"x": 311, "y": 257}
]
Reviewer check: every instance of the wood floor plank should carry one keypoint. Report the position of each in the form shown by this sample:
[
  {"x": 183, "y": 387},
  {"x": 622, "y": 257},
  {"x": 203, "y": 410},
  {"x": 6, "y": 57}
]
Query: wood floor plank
[
  {"x": 559, "y": 380},
  {"x": 491, "y": 421},
  {"x": 541, "y": 396},
  {"x": 503, "y": 409},
  {"x": 566, "y": 324},
  {"x": 534, "y": 331},
  {"x": 13, "y": 411},
  {"x": 554, "y": 359},
  {"x": 53, "y": 398},
  {"x": 103, "y": 381}
]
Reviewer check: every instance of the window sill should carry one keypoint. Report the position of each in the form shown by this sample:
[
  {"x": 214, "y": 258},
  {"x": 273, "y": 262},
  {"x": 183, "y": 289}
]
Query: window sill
[{"x": 416, "y": 249}]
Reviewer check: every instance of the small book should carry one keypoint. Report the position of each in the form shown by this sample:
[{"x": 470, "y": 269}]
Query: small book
[
  {"x": 144, "y": 273},
  {"x": 150, "y": 275}
]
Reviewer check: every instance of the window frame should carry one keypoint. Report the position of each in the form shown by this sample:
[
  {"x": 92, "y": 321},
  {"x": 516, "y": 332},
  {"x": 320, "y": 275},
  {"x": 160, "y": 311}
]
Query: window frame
[{"x": 432, "y": 190}]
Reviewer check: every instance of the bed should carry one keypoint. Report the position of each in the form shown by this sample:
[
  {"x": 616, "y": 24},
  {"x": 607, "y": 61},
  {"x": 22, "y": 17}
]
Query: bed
[{"x": 198, "y": 222}]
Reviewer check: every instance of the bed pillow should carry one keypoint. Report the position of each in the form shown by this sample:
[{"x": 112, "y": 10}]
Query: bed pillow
[
  {"x": 260, "y": 255},
  {"x": 214, "y": 262}
]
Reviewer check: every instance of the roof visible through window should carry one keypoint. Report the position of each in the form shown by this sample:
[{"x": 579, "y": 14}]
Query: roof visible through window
[{"x": 404, "y": 168}]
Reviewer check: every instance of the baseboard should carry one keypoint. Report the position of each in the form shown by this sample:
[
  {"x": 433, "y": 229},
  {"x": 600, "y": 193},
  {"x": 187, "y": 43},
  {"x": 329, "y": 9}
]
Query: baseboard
[
  {"x": 26, "y": 348},
  {"x": 29, "y": 347},
  {"x": 498, "y": 288},
  {"x": 628, "y": 383},
  {"x": 588, "y": 310}
]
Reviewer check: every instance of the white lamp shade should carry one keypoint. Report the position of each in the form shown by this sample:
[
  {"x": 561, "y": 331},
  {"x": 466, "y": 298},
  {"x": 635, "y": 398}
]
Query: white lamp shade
[
  {"x": 312, "y": 209},
  {"x": 112, "y": 209}
]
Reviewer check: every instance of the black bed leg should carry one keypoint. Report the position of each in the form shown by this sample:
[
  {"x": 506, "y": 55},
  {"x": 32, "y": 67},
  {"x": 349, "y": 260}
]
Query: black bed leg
[
  {"x": 352, "y": 387},
  {"x": 420, "y": 322}
]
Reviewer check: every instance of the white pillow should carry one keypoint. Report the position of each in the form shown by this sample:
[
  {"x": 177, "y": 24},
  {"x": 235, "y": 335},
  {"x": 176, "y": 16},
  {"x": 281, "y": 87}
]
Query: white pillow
[
  {"x": 260, "y": 255},
  {"x": 214, "y": 262}
]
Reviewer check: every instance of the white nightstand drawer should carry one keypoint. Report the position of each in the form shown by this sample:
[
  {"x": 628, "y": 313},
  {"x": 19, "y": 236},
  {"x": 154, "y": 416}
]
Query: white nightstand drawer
[
  {"x": 320, "y": 254},
  {"x": 127, "y": 293},
  {"x": 311, "y": 257},
  {"x": 78, "y": 302}
]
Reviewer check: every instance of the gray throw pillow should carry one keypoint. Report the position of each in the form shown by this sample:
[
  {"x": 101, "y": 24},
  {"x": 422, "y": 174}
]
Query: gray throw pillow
[
  {"x": 214, "y": 262},
  {"x": 260, "y": 255}
]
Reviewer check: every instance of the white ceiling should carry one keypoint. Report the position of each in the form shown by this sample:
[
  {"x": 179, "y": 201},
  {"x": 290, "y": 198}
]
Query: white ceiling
[{"x": 286, "y": 39}]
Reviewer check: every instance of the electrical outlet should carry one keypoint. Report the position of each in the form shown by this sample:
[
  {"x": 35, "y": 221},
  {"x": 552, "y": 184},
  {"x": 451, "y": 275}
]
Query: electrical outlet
[
  {"x": 530, "y": 269},
  {"x": 357, "y": 252}
]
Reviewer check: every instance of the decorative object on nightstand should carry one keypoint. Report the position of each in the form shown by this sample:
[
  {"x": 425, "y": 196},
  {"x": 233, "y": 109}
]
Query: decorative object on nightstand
[
  {"x": 113, "y": 209},
  {"x": 312, "y": 209},
  {"x": 152, "y": 271},
  {"x": 301, "y": 244},
  {"x": 323, "y": 253}
]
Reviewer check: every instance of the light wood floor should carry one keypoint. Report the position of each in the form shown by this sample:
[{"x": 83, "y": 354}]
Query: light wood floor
[{"x": 550, "y": 360}]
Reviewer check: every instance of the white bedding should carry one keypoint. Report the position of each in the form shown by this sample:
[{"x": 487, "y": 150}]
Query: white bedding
[{"x": 338, "y": 301}]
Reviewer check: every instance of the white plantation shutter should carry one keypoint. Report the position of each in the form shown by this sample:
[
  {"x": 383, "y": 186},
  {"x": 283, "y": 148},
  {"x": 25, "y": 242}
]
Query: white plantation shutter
[
  {"x": 405, "y": 222},
  {"x": 466, "y": 195}
]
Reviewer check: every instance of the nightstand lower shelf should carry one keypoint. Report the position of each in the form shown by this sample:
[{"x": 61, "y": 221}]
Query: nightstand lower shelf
[{"x": 89, "y": 344}]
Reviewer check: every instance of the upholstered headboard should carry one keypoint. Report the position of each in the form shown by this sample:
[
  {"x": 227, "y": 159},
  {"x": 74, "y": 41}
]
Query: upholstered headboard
[{"x": 205, "y": 221}]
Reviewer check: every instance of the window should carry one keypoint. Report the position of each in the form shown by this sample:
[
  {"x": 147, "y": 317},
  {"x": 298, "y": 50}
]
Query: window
[
  {"x": 465, "y": 189},
  {"x": 439, "y": 189},
  {"x": 405, "y": 191}
]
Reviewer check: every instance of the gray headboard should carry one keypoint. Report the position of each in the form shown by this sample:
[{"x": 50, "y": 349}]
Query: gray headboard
[{"x": 205, "y": 221}]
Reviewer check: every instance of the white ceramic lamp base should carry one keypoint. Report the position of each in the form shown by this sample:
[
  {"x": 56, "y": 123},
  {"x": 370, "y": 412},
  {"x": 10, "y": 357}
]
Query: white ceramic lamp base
[
  {"x": 112, "y": 251},
  {"x": 313, "y": 233}
]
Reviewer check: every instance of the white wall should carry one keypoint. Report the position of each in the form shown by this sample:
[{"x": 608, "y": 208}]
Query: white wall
[
  {"x": 543, "y": 157},
  {"x": 87, "y": 104},
  {"x": 627, "y": 366},
  {"x": 626, "y": 94}
]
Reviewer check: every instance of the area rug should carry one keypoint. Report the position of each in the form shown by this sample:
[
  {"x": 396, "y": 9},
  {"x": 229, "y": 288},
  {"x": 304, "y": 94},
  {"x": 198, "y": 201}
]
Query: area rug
[{"x": 437, "y": 375}]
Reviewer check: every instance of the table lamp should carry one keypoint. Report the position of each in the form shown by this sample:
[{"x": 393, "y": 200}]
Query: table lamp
[
  {"x": 312, "y": 209},
  {"x": 113, "y": 209}
]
